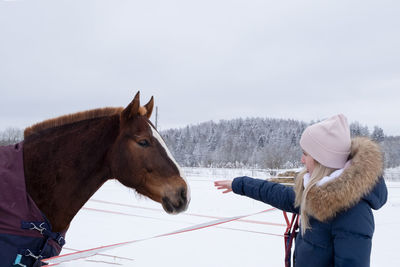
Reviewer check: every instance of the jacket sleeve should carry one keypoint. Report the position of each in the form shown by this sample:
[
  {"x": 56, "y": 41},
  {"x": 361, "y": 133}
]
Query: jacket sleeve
[
  {"x": 352, "y": 232},
  {"x": 378, "y": 196},
  {"x": 276, "y": 195}
]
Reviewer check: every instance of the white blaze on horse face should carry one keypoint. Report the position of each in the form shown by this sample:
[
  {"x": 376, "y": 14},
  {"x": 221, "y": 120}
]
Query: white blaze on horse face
[{"x": 161, "y": 141}]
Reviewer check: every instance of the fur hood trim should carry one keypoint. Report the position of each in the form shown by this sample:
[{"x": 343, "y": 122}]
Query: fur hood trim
[{"x": 356, "y": 181}]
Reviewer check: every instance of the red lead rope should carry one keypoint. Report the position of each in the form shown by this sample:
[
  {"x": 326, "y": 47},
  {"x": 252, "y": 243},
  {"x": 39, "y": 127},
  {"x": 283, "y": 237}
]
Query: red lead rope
[{"x": 290, "y": 234}]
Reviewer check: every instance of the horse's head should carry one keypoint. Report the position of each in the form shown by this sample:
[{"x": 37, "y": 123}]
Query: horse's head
[{"x": 141, "y": 160}]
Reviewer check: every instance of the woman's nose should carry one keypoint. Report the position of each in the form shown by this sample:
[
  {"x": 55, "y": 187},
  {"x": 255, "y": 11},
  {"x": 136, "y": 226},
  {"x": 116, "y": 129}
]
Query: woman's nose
[{"x": 303, "y": 160}]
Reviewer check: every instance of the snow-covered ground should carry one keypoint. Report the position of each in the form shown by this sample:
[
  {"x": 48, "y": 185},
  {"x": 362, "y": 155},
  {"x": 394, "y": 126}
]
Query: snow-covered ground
[{"x": 255, "y": 241}]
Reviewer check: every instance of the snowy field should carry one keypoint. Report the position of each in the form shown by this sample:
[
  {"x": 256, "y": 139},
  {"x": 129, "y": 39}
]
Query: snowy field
[{"x": 116, "y": 214}]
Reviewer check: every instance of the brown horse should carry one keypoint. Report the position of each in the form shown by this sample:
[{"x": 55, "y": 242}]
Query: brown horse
[{"x": 67, "y": 159}]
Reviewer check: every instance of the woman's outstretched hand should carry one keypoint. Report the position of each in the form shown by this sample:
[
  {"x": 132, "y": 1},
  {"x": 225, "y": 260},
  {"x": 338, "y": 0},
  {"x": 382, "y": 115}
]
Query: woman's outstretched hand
[{"x": 224, "y": 185}]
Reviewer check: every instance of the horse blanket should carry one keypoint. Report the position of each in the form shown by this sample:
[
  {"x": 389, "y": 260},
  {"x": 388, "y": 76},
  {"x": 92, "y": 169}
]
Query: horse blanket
[{"x": 25, "y": 233}]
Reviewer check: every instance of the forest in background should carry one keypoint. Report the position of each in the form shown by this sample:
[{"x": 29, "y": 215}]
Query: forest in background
[
  {"x": 257, "y": 143},
  {"x": 251, "y": 143}
]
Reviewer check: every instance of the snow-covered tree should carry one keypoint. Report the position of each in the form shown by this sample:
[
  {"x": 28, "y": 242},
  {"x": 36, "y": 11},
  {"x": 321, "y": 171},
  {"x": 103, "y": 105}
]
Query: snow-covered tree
[
  {"x": 11, "y": 135},
  {"x": 378, "y": 135}
]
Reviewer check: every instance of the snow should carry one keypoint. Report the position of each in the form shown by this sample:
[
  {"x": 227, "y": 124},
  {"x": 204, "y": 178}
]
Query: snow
[{"x": 239, "y": 243}]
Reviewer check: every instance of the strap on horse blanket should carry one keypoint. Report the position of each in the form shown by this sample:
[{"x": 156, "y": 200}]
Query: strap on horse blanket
[{"x": 25, "y": 233}]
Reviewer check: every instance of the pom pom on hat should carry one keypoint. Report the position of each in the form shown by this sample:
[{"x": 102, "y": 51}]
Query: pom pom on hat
[{"x": 328, "y": 141}]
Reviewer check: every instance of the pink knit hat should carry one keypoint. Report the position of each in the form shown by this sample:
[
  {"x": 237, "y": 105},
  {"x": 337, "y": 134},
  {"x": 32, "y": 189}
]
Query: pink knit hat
[{"x": 328, "y": 141}]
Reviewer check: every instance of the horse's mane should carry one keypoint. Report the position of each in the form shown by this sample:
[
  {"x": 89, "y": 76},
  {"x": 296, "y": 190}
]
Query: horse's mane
[{"x": 71, "y": 118}]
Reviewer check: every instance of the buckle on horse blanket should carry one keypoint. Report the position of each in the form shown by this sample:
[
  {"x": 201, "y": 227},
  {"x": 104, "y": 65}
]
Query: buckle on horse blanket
[{"x": 44, "y": 229}]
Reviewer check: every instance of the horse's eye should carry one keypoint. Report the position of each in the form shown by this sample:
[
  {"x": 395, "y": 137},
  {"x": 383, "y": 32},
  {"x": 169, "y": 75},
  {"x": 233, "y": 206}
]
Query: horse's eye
[{"x": 144, "y": 143}]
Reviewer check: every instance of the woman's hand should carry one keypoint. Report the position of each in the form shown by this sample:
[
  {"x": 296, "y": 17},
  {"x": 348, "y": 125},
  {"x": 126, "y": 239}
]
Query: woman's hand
[{"x": 224, "y": 185}]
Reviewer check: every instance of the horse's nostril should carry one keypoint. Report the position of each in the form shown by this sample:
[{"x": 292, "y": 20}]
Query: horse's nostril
[
  {"x": 183, "y": 193},
  {"x": 176, "y": 202},
  {"x": 167, "y": 205}
]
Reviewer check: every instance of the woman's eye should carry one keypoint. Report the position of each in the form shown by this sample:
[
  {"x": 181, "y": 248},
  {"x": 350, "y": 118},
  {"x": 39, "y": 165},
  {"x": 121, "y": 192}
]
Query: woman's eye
[{"x": 144, "y": 143}]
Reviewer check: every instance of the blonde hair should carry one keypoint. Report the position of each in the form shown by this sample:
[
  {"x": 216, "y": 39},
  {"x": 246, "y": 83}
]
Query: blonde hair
[{"x": 319, "y": 172}]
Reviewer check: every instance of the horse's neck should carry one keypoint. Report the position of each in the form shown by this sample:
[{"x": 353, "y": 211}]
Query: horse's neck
[{"x": 65, "y": 166}]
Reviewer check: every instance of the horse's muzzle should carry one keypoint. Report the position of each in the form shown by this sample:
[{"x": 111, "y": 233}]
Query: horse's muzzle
[{"x": 176, "y": 202}]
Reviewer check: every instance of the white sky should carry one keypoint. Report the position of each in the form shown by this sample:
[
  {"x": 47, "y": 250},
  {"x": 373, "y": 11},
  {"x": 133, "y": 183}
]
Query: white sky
[{"x": 202, "y": 60}]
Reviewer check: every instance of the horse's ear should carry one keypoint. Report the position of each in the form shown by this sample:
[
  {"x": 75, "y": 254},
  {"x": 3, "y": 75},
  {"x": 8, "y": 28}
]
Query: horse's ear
[
  {"x": 149, "y": 107},
  {"x": 132, "y": 109}
]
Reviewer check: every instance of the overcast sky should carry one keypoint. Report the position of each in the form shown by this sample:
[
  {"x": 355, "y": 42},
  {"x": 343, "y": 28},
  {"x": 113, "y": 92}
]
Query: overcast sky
[{"x": 202, "y": 60}]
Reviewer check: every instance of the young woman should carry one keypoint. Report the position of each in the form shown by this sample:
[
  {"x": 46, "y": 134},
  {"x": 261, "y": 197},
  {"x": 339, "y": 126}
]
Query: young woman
[{"x": 334, "y": 194}]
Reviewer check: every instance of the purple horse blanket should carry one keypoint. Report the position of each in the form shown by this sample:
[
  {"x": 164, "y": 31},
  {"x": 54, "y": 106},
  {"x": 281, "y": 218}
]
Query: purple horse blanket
[{"x": 25, "y": 233}]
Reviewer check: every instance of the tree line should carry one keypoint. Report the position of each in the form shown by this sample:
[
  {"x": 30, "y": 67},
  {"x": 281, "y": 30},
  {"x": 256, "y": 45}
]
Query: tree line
[
  {"x": 257, "y": 143},
  {"x": 251, "y": 143},
  {"x": 10, "y": 136}
]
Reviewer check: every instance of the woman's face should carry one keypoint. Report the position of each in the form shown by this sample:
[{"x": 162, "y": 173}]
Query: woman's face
[{"x": 308, "y": 161}]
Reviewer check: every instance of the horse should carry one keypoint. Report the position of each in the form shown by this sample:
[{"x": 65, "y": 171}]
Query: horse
[{"x": 67, "y": 159}]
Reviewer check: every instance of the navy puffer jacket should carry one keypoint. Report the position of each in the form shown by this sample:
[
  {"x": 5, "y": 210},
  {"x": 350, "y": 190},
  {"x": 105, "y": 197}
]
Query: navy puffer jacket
[{"x": 341, "y": 219}]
